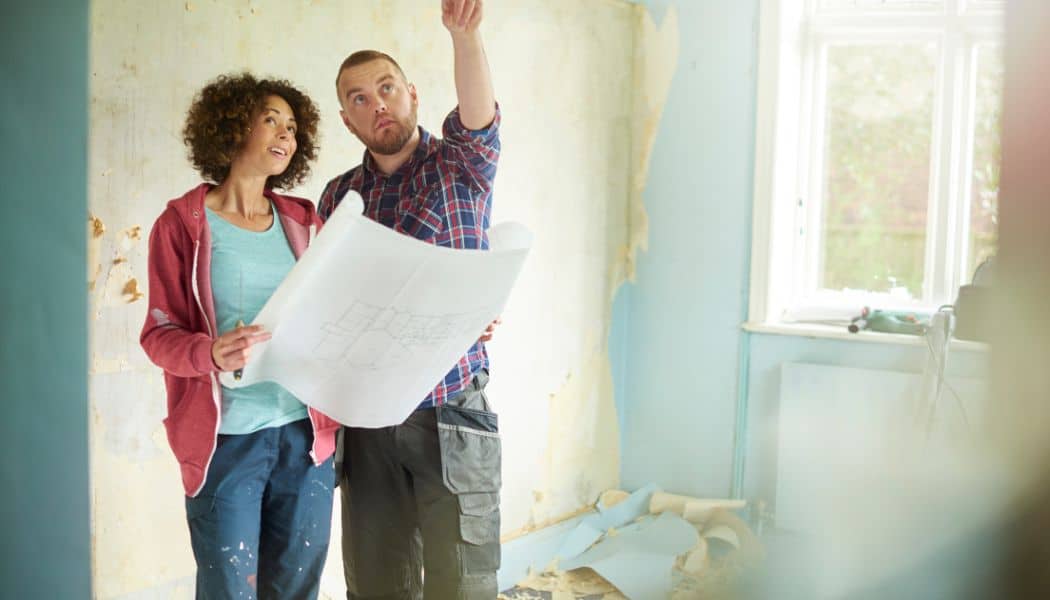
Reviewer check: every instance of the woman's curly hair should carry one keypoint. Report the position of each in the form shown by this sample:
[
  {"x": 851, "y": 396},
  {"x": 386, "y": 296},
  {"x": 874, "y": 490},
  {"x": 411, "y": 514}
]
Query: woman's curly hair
[{"x": 219, "y": 121}]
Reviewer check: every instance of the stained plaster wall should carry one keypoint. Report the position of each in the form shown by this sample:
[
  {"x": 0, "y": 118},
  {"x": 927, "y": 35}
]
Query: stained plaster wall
[
  {"x": 688, "y": 378},
  {"x": 563, "y": 74}
]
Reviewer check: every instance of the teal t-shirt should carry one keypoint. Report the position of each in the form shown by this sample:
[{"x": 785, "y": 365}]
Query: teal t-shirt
[{"x": 246, "y": 268}]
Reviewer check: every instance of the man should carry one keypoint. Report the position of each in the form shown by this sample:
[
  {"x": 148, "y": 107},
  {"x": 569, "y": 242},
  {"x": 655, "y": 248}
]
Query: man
[{"x": 424, "y": 495}]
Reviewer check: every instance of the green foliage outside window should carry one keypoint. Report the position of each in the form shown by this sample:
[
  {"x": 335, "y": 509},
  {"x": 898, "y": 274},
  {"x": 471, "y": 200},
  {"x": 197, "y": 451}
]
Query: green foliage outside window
[{"x": 879, "y": 125}]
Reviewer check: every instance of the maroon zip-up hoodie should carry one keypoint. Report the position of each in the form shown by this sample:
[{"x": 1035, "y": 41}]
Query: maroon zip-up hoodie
[{"x": 179, "y": 329}]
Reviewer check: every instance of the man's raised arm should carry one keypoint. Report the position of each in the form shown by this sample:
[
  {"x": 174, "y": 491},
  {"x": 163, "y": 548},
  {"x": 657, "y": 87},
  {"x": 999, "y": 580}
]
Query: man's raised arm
[{"x": 477, "y": 101}]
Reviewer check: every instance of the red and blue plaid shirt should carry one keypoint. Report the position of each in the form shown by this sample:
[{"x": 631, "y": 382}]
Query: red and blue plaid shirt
[{"x": 441, "y": 195}]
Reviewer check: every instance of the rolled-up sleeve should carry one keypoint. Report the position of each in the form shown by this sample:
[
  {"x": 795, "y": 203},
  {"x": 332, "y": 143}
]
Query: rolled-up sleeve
[{"x": 477, "y": 149}]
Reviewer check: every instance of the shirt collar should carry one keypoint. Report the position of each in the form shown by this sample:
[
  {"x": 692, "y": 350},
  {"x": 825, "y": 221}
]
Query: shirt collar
[{"x": 427, "y": 146}]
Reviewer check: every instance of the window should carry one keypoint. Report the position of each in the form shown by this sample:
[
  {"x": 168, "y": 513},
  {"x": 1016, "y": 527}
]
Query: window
[{"x": 877, "y": 154}]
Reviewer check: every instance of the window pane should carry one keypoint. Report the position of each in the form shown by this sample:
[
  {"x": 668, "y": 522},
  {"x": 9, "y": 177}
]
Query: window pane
[
  {"x": 878, "y": 131},
  {"x": 987, "y": 154}
]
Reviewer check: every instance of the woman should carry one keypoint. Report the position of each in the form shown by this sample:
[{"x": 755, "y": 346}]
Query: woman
[{"x": 256, "y": 463}]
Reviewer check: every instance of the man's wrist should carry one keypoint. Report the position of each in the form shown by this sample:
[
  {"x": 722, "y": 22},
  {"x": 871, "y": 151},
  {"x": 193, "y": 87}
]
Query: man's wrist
[{"x": 466, "y": 37}]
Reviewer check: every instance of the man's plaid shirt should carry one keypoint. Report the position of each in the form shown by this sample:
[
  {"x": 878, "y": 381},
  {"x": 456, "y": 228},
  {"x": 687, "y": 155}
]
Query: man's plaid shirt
[{"x": 442, "y": 195}]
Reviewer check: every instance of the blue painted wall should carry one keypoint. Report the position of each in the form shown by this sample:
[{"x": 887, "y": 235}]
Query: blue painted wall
[
  {"x": 43, "y": 304},
  {"x": 683, "y": 314},
  {"x": 682, "y": 365}
]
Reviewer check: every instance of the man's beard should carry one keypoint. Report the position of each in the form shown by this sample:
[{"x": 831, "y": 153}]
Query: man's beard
[{"x": 392, "y": 145}]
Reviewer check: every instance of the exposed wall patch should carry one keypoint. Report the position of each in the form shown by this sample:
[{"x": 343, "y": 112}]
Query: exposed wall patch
[
  {"x": 131, "y": 291},
  {"x": 97, "y": 226},
  {"x": 130, "y": 236},
  {"x": 95, "y": 231},
  {"x": 655, "y": 63}
]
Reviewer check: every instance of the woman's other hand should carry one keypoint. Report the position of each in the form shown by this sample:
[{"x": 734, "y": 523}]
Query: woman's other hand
[{"x": 231, "y": 350}]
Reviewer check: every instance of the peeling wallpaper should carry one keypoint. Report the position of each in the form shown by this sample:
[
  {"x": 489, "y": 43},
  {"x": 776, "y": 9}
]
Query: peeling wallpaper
[{"x": 580, "y": 107}]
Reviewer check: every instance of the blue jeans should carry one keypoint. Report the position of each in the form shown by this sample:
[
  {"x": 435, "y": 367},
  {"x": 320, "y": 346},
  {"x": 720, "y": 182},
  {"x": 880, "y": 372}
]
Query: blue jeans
[{"x": 260, "y": 526}]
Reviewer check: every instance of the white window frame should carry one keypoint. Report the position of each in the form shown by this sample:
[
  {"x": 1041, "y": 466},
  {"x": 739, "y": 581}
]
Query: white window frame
[{"x": 788, "y": 153}]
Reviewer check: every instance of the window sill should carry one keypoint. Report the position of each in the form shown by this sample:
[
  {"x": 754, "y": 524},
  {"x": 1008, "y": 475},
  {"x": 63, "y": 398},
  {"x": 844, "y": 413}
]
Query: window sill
[{"x": 839, "y": 332}]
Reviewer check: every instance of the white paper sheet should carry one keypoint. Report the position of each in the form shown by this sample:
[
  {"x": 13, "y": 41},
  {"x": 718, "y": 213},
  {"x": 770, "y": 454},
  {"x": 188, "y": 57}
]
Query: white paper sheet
[{"x": 369, "y": 320}]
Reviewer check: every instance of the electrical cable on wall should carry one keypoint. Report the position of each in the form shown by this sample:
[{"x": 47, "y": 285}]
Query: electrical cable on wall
[{"x": 938, "y": 337}]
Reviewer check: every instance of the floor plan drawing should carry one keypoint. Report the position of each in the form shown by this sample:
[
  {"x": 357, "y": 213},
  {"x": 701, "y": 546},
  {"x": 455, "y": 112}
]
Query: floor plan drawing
[
  {"x": 372, "y": 337},
  {"x": 369, "y": 320}
]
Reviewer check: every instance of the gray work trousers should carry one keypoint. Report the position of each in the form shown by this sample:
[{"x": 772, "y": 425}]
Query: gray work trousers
[{"x": 420, "y": 503}]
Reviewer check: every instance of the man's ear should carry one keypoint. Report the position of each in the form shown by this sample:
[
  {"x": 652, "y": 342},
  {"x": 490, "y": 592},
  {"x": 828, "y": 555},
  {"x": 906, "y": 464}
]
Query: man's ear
[
  {"x": 346, "y": 121},
  {"x": 412, "y": 92}
]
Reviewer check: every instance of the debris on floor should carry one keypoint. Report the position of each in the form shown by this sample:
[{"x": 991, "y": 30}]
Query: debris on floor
[{"x": 649, "y": 544}]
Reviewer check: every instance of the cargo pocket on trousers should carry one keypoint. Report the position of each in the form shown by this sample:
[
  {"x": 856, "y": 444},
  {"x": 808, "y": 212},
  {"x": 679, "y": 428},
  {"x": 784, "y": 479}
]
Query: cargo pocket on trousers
[
  {"x": 470, "y": 449},
  {"x": 479, "y": 518},
  {"x": 479, "y": 528}
]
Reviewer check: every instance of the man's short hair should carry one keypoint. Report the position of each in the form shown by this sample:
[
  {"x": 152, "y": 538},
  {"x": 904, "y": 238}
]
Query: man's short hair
[{"x": 365, "y": 56}]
